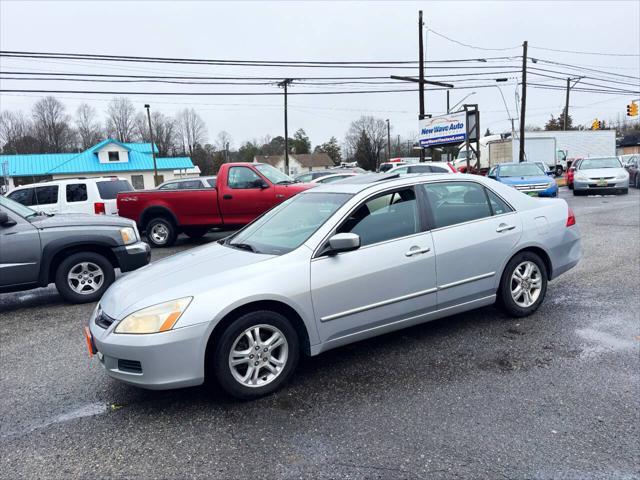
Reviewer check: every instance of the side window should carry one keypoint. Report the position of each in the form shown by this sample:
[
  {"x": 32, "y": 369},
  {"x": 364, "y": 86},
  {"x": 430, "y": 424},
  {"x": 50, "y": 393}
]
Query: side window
[
  {"x": 243, "y": 177},
  {"x": 211, "y": 182},
  {"x": 190, "y": 185},
  {"x": 47, "y": 195},
  {"x": 24, "y": 196},
  {"x": 170, "y": 186},
  {"x": 388, "y": 216},
  {"x": 498, "y": 206},
  {"x": 137, "y": 181},
  {"x": 439, "y": 169},
  {"x": 456, "y": 202},
  {"x": 401, "y": 171},
  {"x": 76, "y": 192},
  {"x": 492, "y": 172},
  {"x": 305, "y": 178}
]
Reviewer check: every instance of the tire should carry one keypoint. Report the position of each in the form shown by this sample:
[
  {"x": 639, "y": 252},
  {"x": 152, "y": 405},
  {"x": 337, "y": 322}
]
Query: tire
[
  {"x": 196, "y": 232},
  {"x": 234, "y": 337},
  {"x": 576, "y": 193},
  {"x": 638, "y": 181},
  {"x": 570, "y": 186},
  {"x": 161, "y": 232},
  {"x": 76, "y": 277},
  {"x": 624, "y": 191},
  {"x": 521, "y": 306},
  {"x": 559, "y": 170}
]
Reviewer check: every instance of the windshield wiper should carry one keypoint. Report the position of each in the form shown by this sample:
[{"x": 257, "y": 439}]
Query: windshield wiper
[{"x": 243, "y": 246}]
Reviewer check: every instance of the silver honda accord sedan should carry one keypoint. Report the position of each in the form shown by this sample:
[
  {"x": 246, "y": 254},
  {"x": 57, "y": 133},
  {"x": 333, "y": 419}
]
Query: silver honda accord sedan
[{"x": 331, "y": 266}]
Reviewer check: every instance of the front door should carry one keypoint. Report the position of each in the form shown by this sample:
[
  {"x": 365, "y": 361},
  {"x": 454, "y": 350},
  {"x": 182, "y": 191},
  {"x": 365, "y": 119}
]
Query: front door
[
  {"x": 246, "y": 196},
  {"x": 390, "y": 278},
  {"x": 20, "y": 251},
  {"x": 474, "y": 231}
]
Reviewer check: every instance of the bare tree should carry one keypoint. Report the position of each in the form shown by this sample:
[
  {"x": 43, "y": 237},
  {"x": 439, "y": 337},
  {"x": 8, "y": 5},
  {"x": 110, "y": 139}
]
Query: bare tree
[
  {"x": 88, "y": 128},
  {"x": 164, "y": 131},
  {"x": 51, "y": 125},
  {"x": 191, "y": 128},
  {"x": 223, "y": 140},
  {"x": 16, "y": 133},
  {"x": 375, "y": 133},
  {"x": 121, "y": 119}
]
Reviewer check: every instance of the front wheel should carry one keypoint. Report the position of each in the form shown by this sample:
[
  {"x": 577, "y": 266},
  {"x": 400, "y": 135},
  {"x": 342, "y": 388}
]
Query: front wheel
[
  {"x": 83, "y": 277},
  {"x": 256, "y": 354},
  {"x": 523, "y": 285}
]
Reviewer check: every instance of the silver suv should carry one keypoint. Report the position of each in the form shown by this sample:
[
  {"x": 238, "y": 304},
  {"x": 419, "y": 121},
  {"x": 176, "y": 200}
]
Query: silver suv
[{"x": 78, "y": 252}]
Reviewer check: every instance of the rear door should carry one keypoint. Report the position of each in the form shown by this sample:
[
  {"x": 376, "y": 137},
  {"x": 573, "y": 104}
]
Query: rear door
[
  {"x": 76, "y": 198},
  {"x": 47, "y": 199},
  {"x": 474, "y": 231},
  {"x": 20, "y": 251},
  {"x": 245, "y": 196}
]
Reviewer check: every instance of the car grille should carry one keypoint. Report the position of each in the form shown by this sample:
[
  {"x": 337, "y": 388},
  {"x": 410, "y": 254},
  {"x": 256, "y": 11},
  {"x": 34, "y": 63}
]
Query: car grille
[
  {"x": 103, "y": 320},
  {"x": 533, "y": 187},
  {"x": 129, "y": 366},
  {"x": 600, "y": 178}
]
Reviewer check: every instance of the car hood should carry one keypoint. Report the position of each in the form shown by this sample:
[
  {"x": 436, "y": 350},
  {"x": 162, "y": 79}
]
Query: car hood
[
  {"x": 79, "y": 220},
  {"x": 525, "y": 180},
  {"x": 601, "y": 172},
  {"x": 187, "y": 273}
]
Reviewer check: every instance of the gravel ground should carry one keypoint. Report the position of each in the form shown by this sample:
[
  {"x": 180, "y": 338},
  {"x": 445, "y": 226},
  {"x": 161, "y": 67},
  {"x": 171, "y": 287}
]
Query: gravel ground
[{"x": 476, "y": 395}]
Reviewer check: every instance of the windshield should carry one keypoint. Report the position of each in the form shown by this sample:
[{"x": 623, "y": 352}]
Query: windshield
[
  {"x": 273, "y": 174},
  {"x": 522, "y": 170},
  {"x": 591, "y": 163},
  {"x": 109, "y": 189},
  {"x": 289, "y": 225},
  {"x": 16, "y": 207}
]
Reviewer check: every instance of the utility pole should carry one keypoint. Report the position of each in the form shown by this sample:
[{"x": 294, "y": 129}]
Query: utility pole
[
  {"x": 226, "y": 152},
  {"x": 284, "y": 83},
  {"x": 388, "y": 140},
  {"x": 566, "y": 105},
  {"x": 421, "y": 75},
  {"x": 523, "y": 106},
  {"x": 447, "y": 101},
  {"x": 153, "y": 149}
]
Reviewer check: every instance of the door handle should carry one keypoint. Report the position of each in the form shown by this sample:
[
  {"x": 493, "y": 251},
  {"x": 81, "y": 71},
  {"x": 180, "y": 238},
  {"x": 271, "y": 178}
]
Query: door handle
[
  {"x": 416, "y": 251},
  {"x": 503, "y": 227},
  {"x": 227, "y": 197}
]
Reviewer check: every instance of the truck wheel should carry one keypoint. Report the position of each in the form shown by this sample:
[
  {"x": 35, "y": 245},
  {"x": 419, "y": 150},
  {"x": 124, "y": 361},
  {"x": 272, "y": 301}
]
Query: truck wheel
[
  {"x": 161, "y": 232},
  {"x": 523, "y": 284},
  {"x": 83, "y": 277},
  {"x": 559, "y": 170},
  {"x": 255, "y": 355},
  {"x": 196, "y": 232}
]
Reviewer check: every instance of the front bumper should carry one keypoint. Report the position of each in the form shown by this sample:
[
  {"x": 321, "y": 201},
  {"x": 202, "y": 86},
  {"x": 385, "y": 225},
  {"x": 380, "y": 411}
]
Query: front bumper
[
  {"x": 552, "y": 191},
  {"x": 598, "y": 187},
  {"x": 131, "y": 257},
  {"x": 157, "y": 361}
]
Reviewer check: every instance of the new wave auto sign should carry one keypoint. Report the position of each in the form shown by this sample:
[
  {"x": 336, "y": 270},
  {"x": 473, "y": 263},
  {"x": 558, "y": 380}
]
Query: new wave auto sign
[{"x": 444, "y": 129}]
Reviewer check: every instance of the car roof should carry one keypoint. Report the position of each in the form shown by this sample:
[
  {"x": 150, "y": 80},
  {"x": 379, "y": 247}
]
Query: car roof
[
  {"x": 382, "y": 181},
  {"x": 67, "y": 180}
]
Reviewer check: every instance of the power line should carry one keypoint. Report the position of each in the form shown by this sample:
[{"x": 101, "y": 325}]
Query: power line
[
  {"x": 578, "y": 67},
  {"x": 609, "y": 54},
  {"x": 472, "y": 46}
]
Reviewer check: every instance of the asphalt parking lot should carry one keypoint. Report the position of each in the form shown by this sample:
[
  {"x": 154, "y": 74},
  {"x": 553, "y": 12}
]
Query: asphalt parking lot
[{"x": 477, "y": 395}]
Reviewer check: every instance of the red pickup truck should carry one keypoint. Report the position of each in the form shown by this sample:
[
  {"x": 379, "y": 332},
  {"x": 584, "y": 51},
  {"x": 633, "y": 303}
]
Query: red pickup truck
[{"x": 243, "y": 192}]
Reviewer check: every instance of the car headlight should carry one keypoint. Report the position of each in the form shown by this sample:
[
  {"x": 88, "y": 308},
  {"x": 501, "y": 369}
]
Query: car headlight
[
  {"x": 622, "y": 176},
  {"x": 154, "y": 319},
  {"x": 129, "y": 235},
  {"x": 580, "y": 178}
]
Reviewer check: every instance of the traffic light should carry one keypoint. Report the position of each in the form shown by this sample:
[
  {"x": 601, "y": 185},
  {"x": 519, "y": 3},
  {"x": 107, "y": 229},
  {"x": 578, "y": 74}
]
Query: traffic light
[
  {"x": 601, "y": 125},
  {"x": 632, "y": 109},
  {"x": 595, "y": 125}
]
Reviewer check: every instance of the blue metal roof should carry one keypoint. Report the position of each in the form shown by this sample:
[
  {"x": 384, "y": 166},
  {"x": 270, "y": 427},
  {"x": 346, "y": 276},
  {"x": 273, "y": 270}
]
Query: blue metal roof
[{"x": 140, "y": 158}]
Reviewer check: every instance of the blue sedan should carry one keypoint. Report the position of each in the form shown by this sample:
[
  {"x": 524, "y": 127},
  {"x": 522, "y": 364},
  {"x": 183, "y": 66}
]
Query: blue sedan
[{"x": 526, "y": 177}]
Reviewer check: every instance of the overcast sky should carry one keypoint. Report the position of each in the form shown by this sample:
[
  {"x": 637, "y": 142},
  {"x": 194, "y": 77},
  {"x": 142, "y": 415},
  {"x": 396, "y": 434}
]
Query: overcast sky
[{"x": 335, "y": 31}]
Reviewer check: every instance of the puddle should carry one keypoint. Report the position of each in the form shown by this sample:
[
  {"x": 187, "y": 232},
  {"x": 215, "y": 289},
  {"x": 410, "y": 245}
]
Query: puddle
[{"x": 88, "y": 410}]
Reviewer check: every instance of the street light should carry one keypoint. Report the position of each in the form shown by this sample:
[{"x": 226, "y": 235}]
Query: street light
[{"x": 454, "y": 107}]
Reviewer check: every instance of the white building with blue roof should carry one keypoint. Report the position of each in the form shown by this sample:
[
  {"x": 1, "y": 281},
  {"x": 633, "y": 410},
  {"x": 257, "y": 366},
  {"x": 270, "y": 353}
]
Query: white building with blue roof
[{"x": 133, "y": 161}]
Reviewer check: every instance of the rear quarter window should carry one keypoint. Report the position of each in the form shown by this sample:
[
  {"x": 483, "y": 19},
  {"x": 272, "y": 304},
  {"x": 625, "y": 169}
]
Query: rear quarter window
[
  {"x": 76, "y": 192},
  {"x": 109, "y": 189}
]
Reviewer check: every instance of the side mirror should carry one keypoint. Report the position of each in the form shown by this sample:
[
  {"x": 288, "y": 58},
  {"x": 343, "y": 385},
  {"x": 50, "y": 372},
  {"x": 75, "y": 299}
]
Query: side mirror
[
  {"x": 492, "y": 176},
  {"x": 260, "y": 184},
  {"x": 5, "y": 221},
  {"x": 344, "y": 242}
]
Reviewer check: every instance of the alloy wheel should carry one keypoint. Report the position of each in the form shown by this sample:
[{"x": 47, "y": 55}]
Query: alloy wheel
[
  {"x": 85, "y": 278},
  {"x": 526, "y": 284},
  {"x": 159, "y": 233},
  {"x": 258, "y": 355}
]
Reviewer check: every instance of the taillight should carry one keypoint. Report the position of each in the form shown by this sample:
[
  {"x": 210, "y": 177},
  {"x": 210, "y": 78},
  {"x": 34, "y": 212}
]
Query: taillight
[
  {"x": 98, "y": 208},
  {"x": 571, "y": 218}
]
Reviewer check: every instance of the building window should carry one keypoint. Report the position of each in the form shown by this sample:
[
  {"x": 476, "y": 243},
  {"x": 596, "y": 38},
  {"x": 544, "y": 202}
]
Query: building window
[
  {"x": 137, "y": 181},
  {"x": 114, "y": 156}
]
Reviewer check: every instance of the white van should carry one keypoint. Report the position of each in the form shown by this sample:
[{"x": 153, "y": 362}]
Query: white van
[{"x": 73, "y": 195}]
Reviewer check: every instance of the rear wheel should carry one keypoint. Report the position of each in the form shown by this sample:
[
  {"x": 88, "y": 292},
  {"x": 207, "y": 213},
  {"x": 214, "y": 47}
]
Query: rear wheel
[
  {"x": 559, "y": 170},
  {"x": 638, "y": 181},
  {"x": 161, "y": 232},
  {"x": 256, "y": 354},
  {"x": 570, "y": 185},
  {"x": 624, "y": 191},
  {"x": 83, "y": 277},
  {"x": 523, "y": 285}
]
